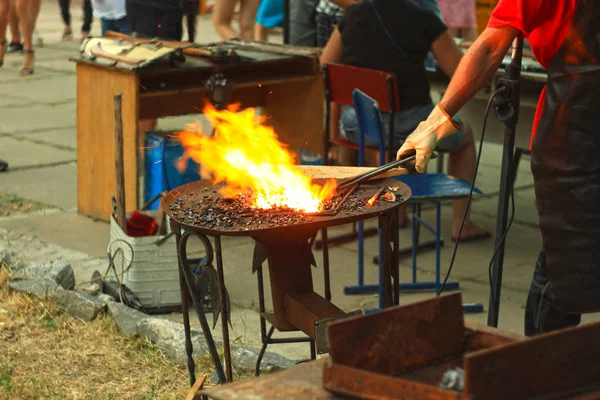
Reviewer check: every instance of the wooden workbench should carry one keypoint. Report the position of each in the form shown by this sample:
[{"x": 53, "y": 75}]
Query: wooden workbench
[{"x": 287, "y": 88}]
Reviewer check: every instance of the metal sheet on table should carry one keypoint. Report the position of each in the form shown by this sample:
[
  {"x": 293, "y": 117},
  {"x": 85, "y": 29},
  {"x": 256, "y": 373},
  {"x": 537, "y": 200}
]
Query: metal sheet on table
[{"x": 302, "y": 382}]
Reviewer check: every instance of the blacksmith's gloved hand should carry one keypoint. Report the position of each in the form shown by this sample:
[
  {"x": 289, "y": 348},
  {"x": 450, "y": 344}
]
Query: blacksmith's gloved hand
[{"x": 426, "y": 137}]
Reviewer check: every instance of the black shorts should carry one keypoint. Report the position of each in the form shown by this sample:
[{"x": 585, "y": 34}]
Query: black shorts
[{"x": 148, "y": 20}]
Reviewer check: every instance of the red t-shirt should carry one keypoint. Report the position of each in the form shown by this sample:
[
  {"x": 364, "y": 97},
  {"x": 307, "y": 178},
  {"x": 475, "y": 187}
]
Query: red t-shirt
[{"x": 543, "y": 22}]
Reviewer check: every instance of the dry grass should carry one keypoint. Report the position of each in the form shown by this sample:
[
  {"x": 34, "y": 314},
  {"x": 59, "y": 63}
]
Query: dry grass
[
  {"x": 48, "y": 355},
  {"x": 15, "y": 205}
]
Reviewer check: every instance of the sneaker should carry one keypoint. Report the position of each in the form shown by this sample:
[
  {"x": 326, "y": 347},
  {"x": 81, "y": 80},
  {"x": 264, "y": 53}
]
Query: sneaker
[{"x": 14, "y": 47}]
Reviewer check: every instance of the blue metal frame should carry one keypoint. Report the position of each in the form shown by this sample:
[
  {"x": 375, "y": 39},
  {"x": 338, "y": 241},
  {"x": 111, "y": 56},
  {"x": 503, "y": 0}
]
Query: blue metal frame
[{"x": 369, "y": 123}]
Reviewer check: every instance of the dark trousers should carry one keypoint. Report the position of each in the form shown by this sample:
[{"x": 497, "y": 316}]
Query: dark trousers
[
  {"x": 541, "y": 315},
  {"x": 87, "y": 14}
]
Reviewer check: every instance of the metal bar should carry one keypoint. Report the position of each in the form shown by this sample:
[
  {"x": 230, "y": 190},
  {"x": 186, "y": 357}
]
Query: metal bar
[
  {"x": 426, "y": 225},
  {"x": 361, "y": 254},
  {"x": 224, "y": 311},
  {"x": 395, "y": 232},
  {"x": 402, "y": 287},
  {"x": 386, "y": 294},
  {"x": 189, "y": 350},
  {"x": 261, "y": 303},
  {"x": 262, "y": 351},
  {"x": 346, "y": 237},
  {"x": 313, "y": 350},
  {"x": 438, "y": 224},
  {"x": 289, "y": 340},
  {"x": 326, "y": 277},
  {"x": 198, "y": 306},
  {"x": 380, "y": 269},
  {"x": 415, "y": 239}
]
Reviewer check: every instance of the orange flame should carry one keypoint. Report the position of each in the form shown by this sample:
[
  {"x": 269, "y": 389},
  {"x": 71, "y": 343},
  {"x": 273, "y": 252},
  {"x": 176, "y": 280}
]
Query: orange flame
[{"x": 247, "y": 155}]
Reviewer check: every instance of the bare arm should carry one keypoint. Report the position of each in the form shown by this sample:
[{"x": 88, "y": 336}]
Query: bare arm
[
  {"x": 447, "y": 54},
  {"x": 343, "y": 3},
  {"x": 332, "y": 53},
  {"x": 477, "y": 67}
]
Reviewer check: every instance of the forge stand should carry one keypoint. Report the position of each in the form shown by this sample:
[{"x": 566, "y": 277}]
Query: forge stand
[{"x": 287, "y": 250}]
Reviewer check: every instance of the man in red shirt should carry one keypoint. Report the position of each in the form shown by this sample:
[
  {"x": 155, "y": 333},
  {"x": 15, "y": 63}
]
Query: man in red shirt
[{"x": 565, "y": 38}]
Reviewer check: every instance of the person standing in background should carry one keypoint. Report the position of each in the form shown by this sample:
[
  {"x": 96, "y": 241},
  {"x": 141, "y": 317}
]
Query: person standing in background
[
  {"x": 303, "y": 27},
  {"x": 27, "y": 12},
  {"x": 15, "y": 44},
  {"x": 223, "y": 16},
  {"x": 268, "y": 16},
  {"x": 112, "y": 15},
  {"x": 461, "y": 18},
  {"x": 66, "y": 17}
]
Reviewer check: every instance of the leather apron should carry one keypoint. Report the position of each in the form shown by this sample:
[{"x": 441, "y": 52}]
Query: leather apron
[{"x": 566, "y": 165}]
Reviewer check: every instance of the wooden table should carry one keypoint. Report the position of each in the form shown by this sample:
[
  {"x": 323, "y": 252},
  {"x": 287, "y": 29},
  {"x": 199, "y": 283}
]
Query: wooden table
[{"x": 288, "y": 88}]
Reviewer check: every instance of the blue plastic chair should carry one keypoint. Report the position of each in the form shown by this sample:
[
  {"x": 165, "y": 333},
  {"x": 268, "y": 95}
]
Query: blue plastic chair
[{"x": 426, "y": 188}]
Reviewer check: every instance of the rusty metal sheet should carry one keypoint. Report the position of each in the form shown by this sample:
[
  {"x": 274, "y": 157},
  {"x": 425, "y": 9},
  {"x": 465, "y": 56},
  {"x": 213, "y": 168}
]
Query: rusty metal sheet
[
  {"x": 302, "y": 382},
  {"x": 397, "y": 339},
  {"x": 303, "y": 310}
]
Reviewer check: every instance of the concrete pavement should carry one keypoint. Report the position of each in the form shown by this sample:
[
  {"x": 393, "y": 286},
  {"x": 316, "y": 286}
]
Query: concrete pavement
[{"x": 37, "y": 138}]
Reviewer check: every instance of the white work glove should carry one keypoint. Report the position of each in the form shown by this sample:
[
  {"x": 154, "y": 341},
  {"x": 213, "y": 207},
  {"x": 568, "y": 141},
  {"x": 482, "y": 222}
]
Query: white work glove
[{"x": 425, "y": 138}]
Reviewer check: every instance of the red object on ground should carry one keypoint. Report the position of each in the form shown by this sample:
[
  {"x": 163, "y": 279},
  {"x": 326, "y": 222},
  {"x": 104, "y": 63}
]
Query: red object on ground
[{"x": 139, "y": 224}]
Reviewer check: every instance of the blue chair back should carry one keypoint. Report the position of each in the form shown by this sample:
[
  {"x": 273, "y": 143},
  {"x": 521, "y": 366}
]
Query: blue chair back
[{"x": 368, "y": 118}]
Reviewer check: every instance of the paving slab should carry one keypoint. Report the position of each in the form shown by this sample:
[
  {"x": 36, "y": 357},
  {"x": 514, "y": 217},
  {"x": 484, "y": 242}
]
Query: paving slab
[
  {"x": 65, "y": 139},
  {"x": 35, "y": 118},
  {"x": 54, "y": 186},
  {"x": 57, "y": 89},
  {"x": 67, "y": 229},
  {"x": 23, "y": 153}
]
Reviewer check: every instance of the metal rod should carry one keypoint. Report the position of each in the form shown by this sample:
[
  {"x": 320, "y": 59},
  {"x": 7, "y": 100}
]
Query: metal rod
[
  {"x": 326, "y": 264},
  {"x": 377, "y": 171},
  {"x": 189, "y": 350},
  {"x": 313, "y": 350},
  {"x": 261, "y": 303},
  {"x": 262, "y": 351},
  {"x": 198, "y": 306},
  {"x": 385, "y": 262},
  {"x": 395, "y": 232},
  {"x": 224, "y": 310},
  {"x": 507, "y": 110}
]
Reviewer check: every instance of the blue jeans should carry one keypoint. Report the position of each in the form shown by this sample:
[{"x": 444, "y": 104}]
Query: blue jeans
[
  {"x": 405, "y": 122},
  {"x": 116, "y": 25},
  {"x": 541, "y": 315}
]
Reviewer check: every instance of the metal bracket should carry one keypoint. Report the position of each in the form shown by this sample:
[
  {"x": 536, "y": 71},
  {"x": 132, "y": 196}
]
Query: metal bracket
[{"x": 321, "y": 338}]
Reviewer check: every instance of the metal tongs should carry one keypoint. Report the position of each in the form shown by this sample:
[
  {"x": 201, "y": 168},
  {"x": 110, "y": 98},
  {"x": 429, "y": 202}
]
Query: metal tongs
[{"x": 357, "y": 180}]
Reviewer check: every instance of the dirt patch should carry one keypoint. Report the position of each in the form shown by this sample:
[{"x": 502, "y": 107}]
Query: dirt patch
[
  {"x": 50, "y": 355},
  {"x": 11, "y": 204}
]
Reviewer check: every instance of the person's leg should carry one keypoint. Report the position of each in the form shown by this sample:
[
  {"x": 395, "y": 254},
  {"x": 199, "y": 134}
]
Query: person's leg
[
  {"x": 461, "y": 164},
  {"x": 65, "y": 14},
  {"x": 222, "y": 17},
  {"x": 261, "y": 34},
  {"x": 87, "y": 18},
  {"x": 4, "y": 12},
  {"x": 105, "y": 26},
  {"x": 15, "y": 34},
  {"x": 303, "y": 27},
  {"x": 247, "y": 17},
  {"x": 27, "y": 12},
  {"x": 122, "y": 26},
  {"x": 541, "y": 315}
]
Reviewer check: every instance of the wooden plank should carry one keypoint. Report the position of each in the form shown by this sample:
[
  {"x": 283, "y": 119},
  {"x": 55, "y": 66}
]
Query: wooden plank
[
  {"x": 337, "y": 172},
  {"x": 198, "y": 385},
  {"x": 296, "y": 111},
  {"x": 96, "y": 176},
  {"x": 119, "y": 164},
  {"x": 401, "y": 338},
  {"x": 560, "y": 362},
  {"x": 368, "y": 385}
]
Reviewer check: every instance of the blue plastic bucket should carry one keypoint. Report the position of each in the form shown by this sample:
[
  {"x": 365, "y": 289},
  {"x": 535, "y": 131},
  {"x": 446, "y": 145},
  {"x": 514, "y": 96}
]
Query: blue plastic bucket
[{"x": 156, "y": 166}]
